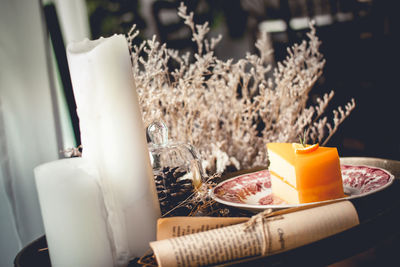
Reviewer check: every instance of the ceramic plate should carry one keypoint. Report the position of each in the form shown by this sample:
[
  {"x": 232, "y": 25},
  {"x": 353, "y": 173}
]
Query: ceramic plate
[{"x": 252, "y": 191}]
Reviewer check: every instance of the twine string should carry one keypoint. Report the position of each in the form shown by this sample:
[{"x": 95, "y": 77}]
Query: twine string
[{"x": 259, "y": 220}]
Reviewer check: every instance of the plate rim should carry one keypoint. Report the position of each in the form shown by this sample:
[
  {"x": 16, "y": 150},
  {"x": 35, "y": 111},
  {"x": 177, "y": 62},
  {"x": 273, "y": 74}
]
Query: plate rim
[{"x": 254, "y": 207}]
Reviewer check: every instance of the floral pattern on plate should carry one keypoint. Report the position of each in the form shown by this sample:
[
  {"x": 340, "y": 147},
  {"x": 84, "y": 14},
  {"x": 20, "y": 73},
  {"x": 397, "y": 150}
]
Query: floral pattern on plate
[{"x": 253, "y": 190}]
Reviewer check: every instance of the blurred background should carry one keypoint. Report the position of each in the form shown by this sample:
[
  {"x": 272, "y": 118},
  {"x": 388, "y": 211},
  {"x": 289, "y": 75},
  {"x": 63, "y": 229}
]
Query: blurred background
[
  {"x": 357, "y": 42},
  {"x": 37, "y": 112}
]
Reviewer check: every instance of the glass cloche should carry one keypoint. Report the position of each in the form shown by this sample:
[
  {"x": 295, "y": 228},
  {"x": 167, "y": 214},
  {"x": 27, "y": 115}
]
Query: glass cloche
[{"x": 177, "y": 170}]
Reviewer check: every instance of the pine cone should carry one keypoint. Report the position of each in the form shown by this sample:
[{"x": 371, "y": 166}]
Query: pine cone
[{"x": 173, "y": 188}]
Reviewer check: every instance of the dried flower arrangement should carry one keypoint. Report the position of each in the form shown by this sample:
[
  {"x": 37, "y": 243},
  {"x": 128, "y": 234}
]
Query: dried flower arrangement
[{"x": 229, "y": 110}]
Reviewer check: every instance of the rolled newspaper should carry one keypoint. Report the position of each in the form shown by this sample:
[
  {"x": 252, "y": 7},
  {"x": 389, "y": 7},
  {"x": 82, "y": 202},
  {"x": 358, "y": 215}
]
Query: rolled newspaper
[{"x": 263, "y": 235}]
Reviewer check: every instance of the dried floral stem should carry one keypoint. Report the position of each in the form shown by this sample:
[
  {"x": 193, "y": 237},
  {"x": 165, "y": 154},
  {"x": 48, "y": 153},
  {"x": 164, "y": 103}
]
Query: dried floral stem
[
  {"x": 230, "y": 109},
  {"x": 339, "y": 116}
]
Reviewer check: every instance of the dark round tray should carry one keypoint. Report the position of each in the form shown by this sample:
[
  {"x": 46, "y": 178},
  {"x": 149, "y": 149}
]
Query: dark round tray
[
  {"x": 375, "y": 242},
  {"x": 34, "y": 254}
]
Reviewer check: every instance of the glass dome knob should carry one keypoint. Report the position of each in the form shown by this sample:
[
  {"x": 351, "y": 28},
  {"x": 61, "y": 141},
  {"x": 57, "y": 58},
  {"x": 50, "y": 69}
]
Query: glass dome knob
[{"x": 158, "y": 133}]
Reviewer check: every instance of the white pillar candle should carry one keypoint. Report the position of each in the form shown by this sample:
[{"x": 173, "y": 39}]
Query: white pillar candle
[
  {"x": 113, "y": 138},
  {"x": 73, "y": 214}
]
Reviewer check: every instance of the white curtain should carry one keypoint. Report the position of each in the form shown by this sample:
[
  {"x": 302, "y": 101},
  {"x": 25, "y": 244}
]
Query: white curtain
[{"x": 32, "y": 116}]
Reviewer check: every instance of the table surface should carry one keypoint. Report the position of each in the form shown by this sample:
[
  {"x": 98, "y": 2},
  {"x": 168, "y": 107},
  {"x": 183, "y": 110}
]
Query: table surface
[{"x": 375, "y": 242}]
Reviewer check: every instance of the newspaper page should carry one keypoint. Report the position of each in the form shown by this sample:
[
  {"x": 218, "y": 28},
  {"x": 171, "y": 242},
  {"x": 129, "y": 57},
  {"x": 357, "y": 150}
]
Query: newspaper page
[
  {"x": 265, "y": 236},
  {"x": 180, "y": 226}
]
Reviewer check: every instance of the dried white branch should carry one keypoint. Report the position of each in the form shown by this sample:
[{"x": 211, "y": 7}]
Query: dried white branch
[
  {"x": 230, "y": 109},
  {"x": 339, "y": 116}
]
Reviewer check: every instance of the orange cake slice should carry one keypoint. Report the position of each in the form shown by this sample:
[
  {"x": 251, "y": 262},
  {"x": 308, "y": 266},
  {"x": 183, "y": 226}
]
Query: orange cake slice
[{"x": 302, "y": 175}]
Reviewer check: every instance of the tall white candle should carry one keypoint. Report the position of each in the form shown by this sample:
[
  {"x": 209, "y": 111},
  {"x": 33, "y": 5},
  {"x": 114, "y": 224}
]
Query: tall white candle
[
  {"x": 113, "y": 138},
  {"x": 73, "y": 214}
]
